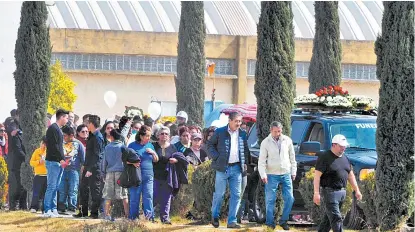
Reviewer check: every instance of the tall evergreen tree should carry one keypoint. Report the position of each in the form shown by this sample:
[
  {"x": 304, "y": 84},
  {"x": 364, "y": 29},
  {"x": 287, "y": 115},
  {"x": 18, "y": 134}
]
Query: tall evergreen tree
[
  {"x": 395, "y": 133},
  {"x": 32, "y": 78},
  {"x": 274, "y": 74},
  {"x": 325, "y": 66},
  {"x": 190, "y": 80}
]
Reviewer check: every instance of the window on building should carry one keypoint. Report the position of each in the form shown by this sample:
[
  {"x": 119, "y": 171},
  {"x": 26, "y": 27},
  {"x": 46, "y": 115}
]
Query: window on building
[
  {"x": 132, "y": 63},
  {"x": 349, "y": 71}
]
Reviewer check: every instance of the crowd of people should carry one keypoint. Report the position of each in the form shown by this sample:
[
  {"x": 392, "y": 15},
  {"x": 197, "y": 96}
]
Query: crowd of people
[
  {"x": 77, "y": 161},
  {"x": 143, "y": 164}
]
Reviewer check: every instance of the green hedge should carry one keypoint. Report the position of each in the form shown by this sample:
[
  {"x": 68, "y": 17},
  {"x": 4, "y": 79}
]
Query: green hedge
[
  {"x": 183, "y": 202},
  {"x": 203, "y": 186},
  {"x": 4, "y": 175},
  {"x": 367, "y": 204},
  {"x": 306, "y": 188}
]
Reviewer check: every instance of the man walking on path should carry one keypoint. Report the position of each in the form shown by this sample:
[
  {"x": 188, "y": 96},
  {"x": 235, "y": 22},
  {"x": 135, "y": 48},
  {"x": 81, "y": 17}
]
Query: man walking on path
[
  {"x": 54, "y": 160},
  {"x": 276, "y": 164},
  {"x": 333, "y": 169},
  {"x": 229, "y": 149}
]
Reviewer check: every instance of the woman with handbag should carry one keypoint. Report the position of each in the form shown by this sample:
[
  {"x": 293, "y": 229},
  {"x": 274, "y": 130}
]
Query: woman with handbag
[{"x": 145, "y": 151}]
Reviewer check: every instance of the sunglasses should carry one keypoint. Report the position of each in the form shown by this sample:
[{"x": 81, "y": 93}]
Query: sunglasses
[
  {"x": 84, "y": 131},
  {"x": 164, "y": 133},
  {"x": 2, "y": 130}
]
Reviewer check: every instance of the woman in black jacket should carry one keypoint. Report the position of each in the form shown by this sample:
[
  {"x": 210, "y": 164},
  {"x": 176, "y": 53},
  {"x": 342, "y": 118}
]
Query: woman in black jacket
[
  {"x": 195, "y": 154},
  {"x": 162, "y": 191}
]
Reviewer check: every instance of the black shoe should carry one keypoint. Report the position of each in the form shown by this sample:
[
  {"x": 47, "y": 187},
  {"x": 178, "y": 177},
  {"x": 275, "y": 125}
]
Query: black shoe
[
  {"x": 215, "y": 222},
  {"x": 285, "y": 226},
  {"x": 93, "y": 216},
  {"x": 234, "y": 226},
  {"x": 167, "y": 222},
  {"x": 79, "y": 215},
  {"x": 239, "y": 221}
]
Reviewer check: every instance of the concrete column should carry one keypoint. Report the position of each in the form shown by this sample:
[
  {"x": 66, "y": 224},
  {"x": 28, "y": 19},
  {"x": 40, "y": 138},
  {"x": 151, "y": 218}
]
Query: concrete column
[{"x": 240, "y": 84}]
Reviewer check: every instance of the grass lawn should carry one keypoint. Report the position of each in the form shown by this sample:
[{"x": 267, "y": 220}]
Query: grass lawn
[{"x": 19, "y": 221}]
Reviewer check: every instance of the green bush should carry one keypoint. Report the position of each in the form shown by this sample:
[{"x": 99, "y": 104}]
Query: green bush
[
  {"x": 4, "y": 175},
  {"x": 316, "y": 212},
  {"x": 367, "y": 204},
  {"x": 203, "y": 186},
  {"x": 183, "y": 202}
]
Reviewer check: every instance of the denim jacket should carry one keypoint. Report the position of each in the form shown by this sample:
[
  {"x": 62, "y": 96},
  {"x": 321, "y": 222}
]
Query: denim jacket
[{"x": 219, "y": 147}]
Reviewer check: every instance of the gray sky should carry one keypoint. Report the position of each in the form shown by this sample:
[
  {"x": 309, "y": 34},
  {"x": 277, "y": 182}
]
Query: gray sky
[{"x": 9, "y": 23}]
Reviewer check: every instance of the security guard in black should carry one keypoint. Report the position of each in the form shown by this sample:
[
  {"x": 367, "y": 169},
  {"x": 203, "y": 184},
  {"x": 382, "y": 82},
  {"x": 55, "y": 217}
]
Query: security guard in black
[{"x": 335, "y": 170}]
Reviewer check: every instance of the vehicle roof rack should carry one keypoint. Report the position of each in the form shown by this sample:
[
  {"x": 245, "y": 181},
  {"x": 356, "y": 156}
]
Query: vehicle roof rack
[{"x": 316, "y": 111}]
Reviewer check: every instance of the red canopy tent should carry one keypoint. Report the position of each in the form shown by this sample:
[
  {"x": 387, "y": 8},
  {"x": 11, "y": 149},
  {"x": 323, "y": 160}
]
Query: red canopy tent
[{"x": 248, "y": 111}]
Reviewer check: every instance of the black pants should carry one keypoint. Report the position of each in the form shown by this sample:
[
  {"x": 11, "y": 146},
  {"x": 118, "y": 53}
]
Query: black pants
[
  {"x": 90, "y": 184},
  {"x": 39, "y": 189},
  {"x": 17, "y": 194},
  {"x": 332, "y": 201}
]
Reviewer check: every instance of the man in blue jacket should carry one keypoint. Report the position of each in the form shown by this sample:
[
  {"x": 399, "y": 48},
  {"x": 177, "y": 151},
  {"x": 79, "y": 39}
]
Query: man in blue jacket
[{"x": 229, "y": 149}]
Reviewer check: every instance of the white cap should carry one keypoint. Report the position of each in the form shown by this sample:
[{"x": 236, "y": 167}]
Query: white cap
[
  {"x": 340, "y": 139},
  {"x": 182, "y": 114}
]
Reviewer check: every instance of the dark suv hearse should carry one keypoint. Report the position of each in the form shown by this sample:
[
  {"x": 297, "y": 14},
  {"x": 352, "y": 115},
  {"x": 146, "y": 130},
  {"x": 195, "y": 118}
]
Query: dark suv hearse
[{"x": 311, "y": 133}]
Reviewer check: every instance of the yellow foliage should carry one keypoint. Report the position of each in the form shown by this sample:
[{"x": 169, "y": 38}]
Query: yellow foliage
[
  {"x": 61, "y": 94},
  {"x": 167, "y": 118}
]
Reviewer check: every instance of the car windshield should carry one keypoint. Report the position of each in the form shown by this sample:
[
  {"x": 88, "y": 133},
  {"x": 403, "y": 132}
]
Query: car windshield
[{"x": 359, "y": 134}]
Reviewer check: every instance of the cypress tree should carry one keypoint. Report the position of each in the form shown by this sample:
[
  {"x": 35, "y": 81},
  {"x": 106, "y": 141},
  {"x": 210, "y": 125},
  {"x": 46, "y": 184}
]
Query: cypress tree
[
  {"x": 190, "y": 80},
  {"x": 325, "y": 66},
  {"x": 395, "y": 133},
  {"x": 274, "y": 74},
  {"x": 32, "y": 79}
]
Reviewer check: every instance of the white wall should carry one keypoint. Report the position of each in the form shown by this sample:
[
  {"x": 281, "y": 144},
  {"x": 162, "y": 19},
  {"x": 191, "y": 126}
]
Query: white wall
[{"x": 9, "y": 23}]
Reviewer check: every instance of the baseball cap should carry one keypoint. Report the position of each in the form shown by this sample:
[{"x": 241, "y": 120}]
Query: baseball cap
[
  {"x": 340, "y": 139},
  {"x": 196, "y": 136},
  {"x": 182, "y": 114}
]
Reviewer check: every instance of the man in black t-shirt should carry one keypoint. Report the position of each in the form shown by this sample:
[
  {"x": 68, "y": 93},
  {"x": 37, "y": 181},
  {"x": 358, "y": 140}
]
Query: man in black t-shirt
[{"x": 333, "y": 169}]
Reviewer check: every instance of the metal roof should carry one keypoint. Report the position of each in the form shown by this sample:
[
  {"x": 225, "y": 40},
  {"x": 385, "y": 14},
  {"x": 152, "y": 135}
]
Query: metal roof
[{"x": 359, "y": 20}]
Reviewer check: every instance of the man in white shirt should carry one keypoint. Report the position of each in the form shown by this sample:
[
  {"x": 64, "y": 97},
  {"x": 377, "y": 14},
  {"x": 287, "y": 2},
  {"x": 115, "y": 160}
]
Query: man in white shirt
[{"x": 276, "y": 164}]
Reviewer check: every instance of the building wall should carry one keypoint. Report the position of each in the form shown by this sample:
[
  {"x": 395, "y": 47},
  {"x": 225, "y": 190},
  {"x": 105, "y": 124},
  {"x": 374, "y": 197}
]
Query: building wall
[
  {"x": 138, "y": 88},
  {"x": 370, "y": 89},
  {"x": 132, "y": 90}
]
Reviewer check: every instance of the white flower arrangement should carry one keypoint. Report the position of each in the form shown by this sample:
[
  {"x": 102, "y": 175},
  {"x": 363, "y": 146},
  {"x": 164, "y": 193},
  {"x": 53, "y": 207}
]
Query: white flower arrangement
[
  {"x": 338, "y": 101},
  {"x": 360, "y": 100},
  {"x": 306, "y": 99}
]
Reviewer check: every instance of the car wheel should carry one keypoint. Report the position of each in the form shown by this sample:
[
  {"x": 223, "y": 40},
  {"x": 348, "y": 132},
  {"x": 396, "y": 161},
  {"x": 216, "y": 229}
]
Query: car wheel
[
  {"x": 355, "y": 218},
  {"x": 259, "y": 202}
]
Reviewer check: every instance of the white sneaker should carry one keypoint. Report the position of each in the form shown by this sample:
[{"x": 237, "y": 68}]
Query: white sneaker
[
  {"x": 33, "y": 211},
  {"x": 48, "y": 214},
  {"x": 55, "y": 212}
]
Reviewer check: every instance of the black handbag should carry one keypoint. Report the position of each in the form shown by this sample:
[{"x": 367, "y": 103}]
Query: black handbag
[{"x": 131, "y": 176}]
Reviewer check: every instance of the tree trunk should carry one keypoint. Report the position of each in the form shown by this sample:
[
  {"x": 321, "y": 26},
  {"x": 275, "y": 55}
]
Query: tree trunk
[
  {"x": 190, "y": 80},
  {"x": 32, "y": 79},
  {"x": 325, "y": 66},
  {"x": 275, "y": 70},
  {"x": 395, "y": 133}
]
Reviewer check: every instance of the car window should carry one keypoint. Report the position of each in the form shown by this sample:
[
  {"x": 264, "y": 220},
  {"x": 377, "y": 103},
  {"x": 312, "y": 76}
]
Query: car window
[
  {"x": 297, "y": 130},
  {"x": 316, "y": 134},
  {"x": 253, "y": 138}
]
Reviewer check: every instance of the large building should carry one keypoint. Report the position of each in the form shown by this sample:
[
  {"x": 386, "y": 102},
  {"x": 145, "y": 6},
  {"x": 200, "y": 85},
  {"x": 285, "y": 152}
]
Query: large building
[{"x": 130, "y": 47}]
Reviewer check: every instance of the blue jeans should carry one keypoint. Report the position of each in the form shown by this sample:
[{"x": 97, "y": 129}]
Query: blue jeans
[
  {"x": 332, "y": 201},
  {"x": 145, "y": 190},
  {"x": 53, "y": 180},
  {"x": 271, "y": 189},
  {"x": 68, "y": 190},
  {"x": 233, "y": 175}
]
